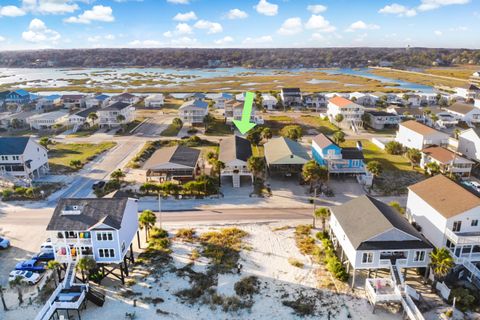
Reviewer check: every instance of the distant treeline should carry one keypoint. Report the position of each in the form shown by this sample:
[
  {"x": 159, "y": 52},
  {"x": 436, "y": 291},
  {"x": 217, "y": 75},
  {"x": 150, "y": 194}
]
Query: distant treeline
[{"x": 251, "y": 58}]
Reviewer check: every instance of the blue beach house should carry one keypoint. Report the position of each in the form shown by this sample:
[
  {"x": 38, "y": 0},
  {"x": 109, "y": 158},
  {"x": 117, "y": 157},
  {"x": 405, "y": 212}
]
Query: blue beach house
[{"x": 338, "y": 160}]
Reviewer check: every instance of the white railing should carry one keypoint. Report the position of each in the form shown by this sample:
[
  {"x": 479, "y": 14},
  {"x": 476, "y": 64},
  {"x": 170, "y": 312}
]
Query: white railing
[
  {"x": 411, "y": 308},
  {"x": 375, "y": 297},
  {"x": 236, "y": 172},
  {"x": 461, "y": 239}
]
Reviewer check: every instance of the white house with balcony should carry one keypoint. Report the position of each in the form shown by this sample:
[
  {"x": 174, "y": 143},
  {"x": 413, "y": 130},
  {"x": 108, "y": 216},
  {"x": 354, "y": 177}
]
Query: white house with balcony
[
  {"x": 116, "y": 114},
  {"x": 220, "y": 99},
  {"x": 45, "y": 121},
  {"x": 380, "y": 119},
  {"x": 413, "y": 134},
  {"x": 234, "y": 153},
  {"x": 372, "y": 235},
  {"x": 469, "y": 143},
  {"x": 469, "y": 92},
  {"x": 352, "y": 113},
  {"x": 364, "y": 99},
  {"x": 22, "y": 158},
  {"x": 465, "y": 112},
  {"x": 102, "y": 229},
  {"x": 448, "y": 161},
  {"x": 269, "y": 102},
  {"x": 448, "y": 216},
  {"x": 155, "y": 101},
  {"x": 193, "y": 112},
  {"x": 73, "y": 101}
]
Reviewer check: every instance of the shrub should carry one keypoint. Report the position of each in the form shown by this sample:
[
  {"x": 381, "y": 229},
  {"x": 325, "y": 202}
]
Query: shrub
[
  {"x": 306, "y": 245},
  {"x": 194, "y": 255},
  {"x": 303, "y": 229},
  {"x": 394, "y": 147},
  {"x": 187, "y": 234},
  {"x": 296, "y": 263},
  {"x": 465, "y": 299},
  {"x": 301, "y": 306},
  {"x": 247, "y": 286}
]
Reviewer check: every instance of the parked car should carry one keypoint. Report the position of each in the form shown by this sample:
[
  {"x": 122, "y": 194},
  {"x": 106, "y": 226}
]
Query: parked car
[
  {"x": 31, "y": 265},
  {"x": 99, "y": 185},
  {"x": 4, "y": 243},
  {"x": 27, "y": 276},
  {"x": 46, "y": 247},
  {"x": 44, "y": 256},
  {"x": 475, "y": 185}
]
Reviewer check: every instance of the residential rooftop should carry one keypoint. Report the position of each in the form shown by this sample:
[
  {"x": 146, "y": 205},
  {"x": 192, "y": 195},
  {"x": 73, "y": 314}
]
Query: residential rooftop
[
  {"x": 418, "y": 127},
  {"x": 445, "y": 196},
  {"x": 177, "y": 155},
  {"x": 234, "y": 148},
  {"x": 13, "y": 145}
]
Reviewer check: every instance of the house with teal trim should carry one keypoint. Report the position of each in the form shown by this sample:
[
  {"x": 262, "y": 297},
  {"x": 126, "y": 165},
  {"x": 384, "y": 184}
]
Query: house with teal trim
[{"x": 338, "y": 160}]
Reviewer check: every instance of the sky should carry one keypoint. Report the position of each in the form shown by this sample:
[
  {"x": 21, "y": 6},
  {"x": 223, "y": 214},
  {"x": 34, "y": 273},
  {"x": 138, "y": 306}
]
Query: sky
[{"x": 40, "y": 24}]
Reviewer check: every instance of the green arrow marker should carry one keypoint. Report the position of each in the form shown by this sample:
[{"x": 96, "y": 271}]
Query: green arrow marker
[{"x": 245, "y": 125}]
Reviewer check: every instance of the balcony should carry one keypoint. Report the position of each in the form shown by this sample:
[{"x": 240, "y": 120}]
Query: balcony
[
  {"x": 382, "y": 290},
  {"x": 472, "y": 238},
  {"x": 231, "y": 172}
]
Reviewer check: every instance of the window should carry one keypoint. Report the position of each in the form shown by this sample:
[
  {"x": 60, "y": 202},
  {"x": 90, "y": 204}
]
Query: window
[
  {"x": 367, "y": 257},
  {"x": 475, "y": 223},
  {"x": 4, "y": 158},
  {"x": 457, "y": 225},
  {"x": 16, "y": 157},
  {"x": 419, "y": 256},
  {"x": 106, "y": 253},
  {"x": 104, "y": 236}
]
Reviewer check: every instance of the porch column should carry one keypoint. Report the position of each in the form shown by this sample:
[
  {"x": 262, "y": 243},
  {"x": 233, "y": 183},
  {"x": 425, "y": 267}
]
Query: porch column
[
  {"x": 341, "y": 254},
  {"x": 353, "y": 279}
]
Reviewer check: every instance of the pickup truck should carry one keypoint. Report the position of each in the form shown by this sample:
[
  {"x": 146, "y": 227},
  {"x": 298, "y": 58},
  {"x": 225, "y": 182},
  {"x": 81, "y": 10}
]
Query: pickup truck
[{"x": 33, "y": 264}]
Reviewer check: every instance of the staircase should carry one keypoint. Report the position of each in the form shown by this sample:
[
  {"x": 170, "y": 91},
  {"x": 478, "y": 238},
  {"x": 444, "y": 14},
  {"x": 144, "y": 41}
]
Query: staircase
[
  {"x": 69, "y": 276},
  {"x": 236, "y": 180}
]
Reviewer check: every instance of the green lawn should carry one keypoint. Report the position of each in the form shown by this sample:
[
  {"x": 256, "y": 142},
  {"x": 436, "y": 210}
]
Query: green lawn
[
  {"x": 388, "y": 161},
  {"x": 171, "y": 131},
  {"x": 60, "y": 155},
  {"x": 316, "y": 122},
  {"x": 218, "y": 127}
]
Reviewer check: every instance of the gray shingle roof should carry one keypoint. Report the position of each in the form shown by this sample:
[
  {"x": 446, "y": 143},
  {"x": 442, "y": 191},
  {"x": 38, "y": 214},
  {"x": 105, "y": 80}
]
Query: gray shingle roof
[
  {"x": 181, "y": 155},
  {"x": 13, "y": 145},
  {"x": 86, "y": 112},
  {"x": 233, "y": 148},
  {"x": 365, "y": 217},
  {"x": 93, "y": 212},
  {"x": 279, "y": 148},
  {"x": 117, "y": 106}
]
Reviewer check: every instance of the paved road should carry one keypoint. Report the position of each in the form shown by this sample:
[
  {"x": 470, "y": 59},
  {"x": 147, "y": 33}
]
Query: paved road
[
  {"x": 100, "y": 169},
  {"x": 152, "y": 127}
]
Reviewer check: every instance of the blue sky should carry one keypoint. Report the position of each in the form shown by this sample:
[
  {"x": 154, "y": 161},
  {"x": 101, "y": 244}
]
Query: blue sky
[{"x": 34, "y": 24}]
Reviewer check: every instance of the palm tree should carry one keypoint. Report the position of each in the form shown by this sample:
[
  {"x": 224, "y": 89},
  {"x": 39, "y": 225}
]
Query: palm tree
[
  {"x": 120, "y": 118},
  {"x": 86, "y": 265},
  {"x": 3, "y": 298},
  {"x": 322, "y": 213},
  {"x": 117, "y": 175},
  {"x": 45, "y": 142},
  {"x": 256, "y": 165},
  {"x": 54, "y": 266},
  {"x": 147, "y": 220},
  {"x": 18, "y": 283},
  {"x": 338, "y": 137},
  {"x": 339, "y": 118},
  {"x": 267, "y": 134},
  {"x": 396, "y": 205},
  {"x": 93, "y": 117},
  {"x": 432, "y": 168},
  {"x": 75, "y": 163},
  {"x": 456, "y": 133},
  {"x": 312, "y": 172},
  {"x": 414, "y": 155},
  {"x": 441, "y": 262},
  {"x": 375, "y": 168}
]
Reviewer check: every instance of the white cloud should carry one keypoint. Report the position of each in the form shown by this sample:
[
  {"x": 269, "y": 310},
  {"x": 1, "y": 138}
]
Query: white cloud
[
  {"x": 398, "y": 10},
  {"x": 110, "y": 37},
  {"x": 224, "y": 40},
  {"x": 2, "y": 39},
  {"x": 50, "y": 6},
  {"x": 97, "y": 13},
  {"x": 438, "y": 33},
  {"x": 319, "y": 23},
  {"x": 316, "y": 8},
  {"x": 145, "y": 43},
  {"x": 435, "y": 4},
  {"x": 179, "y": 1},
  {"x": 183, "y": 28},
  {"x": 187, "y": 16},
  {"x": 212, "y": 27},
  {"x": 259, "y": 40},
  {"x": 38, "y": 32},
  {"x": 236, "y": 14},
  {"x": 168, "y": 34},
  {"x": 11, "y": 11},
  {"x": 360, "y": 25},
  {"x": 266, "y": 8},
  {"x": 291, "y": 26},
  {"x": 183, "y": 41}
]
